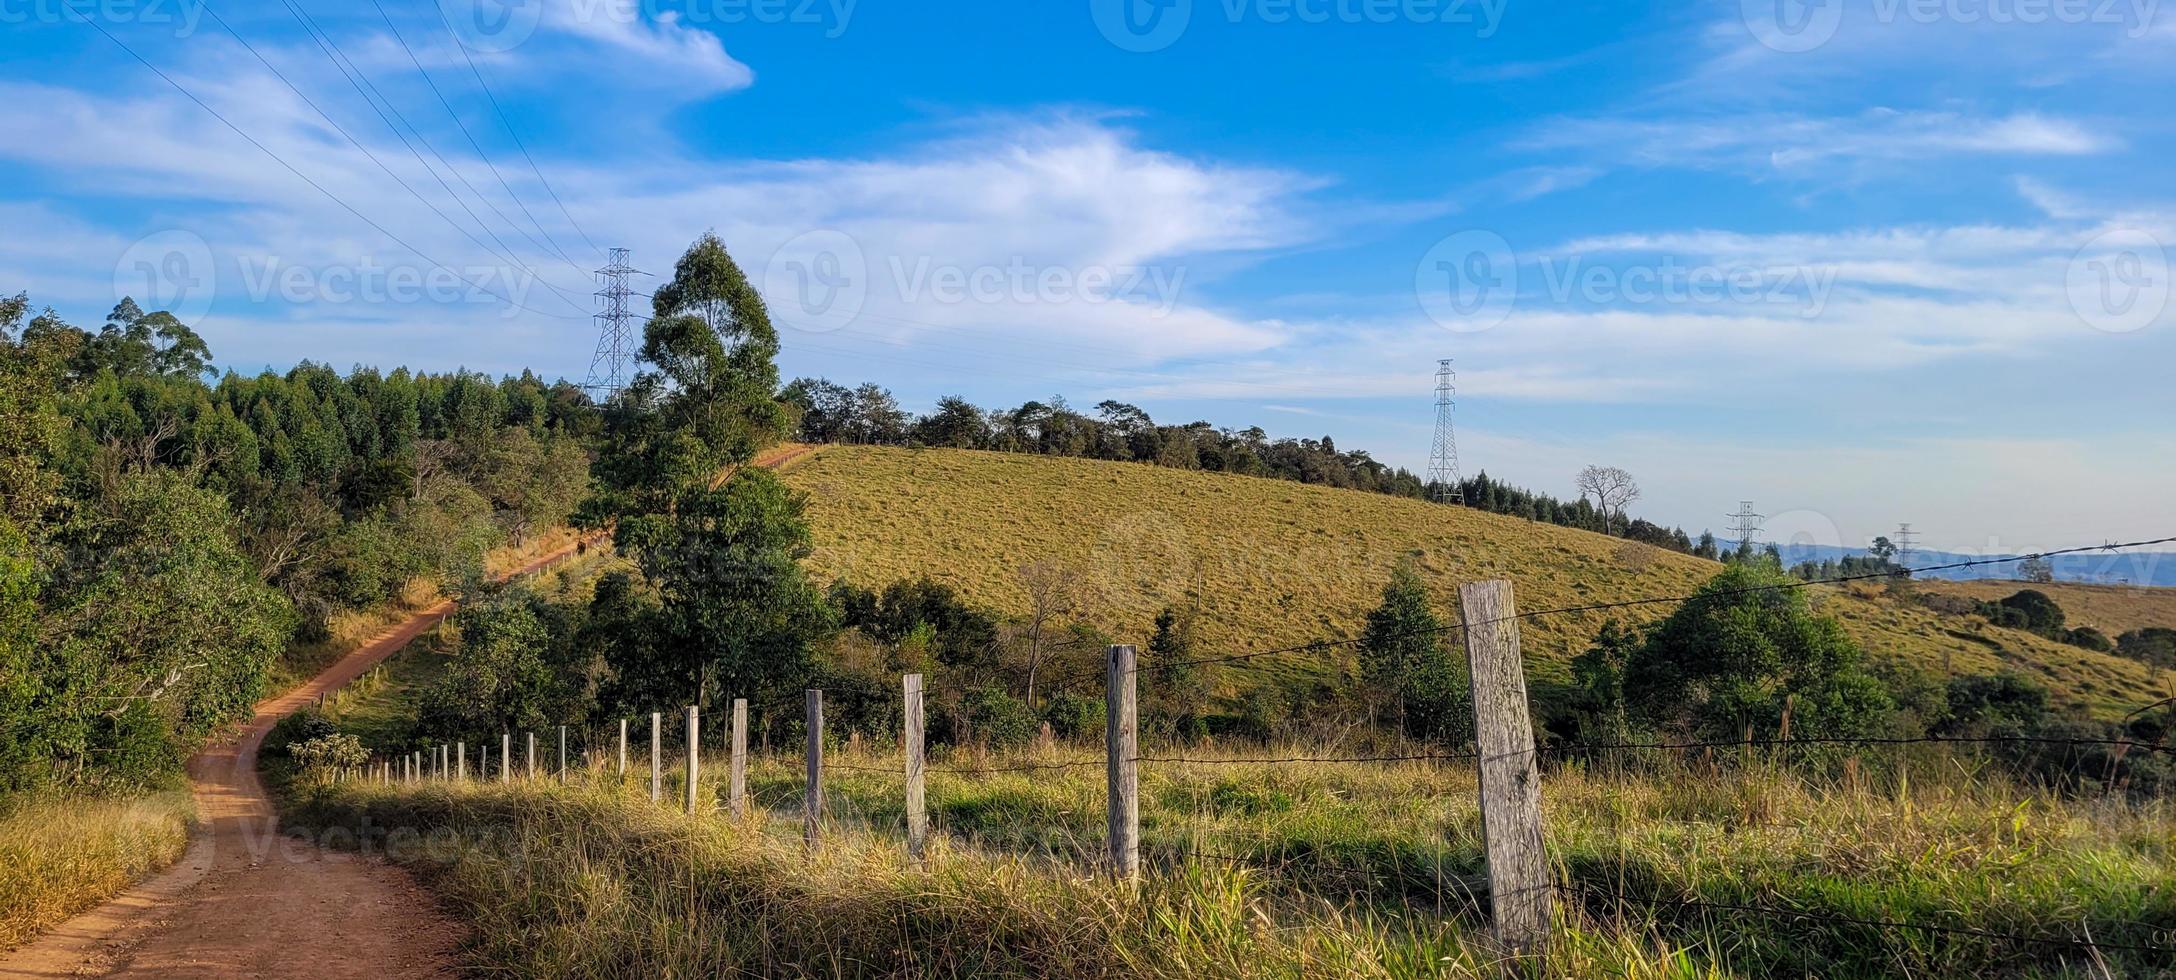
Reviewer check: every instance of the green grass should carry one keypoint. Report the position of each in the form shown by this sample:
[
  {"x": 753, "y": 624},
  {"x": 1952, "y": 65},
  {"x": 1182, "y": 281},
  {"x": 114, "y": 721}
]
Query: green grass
[
  {"x": 1276, "y": 563},
  {"x": 1288, "y": 870},
  {"x": 62, "y": 855}
]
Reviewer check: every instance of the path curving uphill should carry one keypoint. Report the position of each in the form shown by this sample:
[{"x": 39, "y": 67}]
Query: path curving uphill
[{"x": 245, "y": 900}]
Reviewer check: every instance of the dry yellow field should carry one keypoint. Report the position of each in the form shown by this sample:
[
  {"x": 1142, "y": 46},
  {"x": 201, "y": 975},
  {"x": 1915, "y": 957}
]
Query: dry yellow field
[
  {"x": 1276, "y": 563},
  {"x": 2112, "y": 609}
]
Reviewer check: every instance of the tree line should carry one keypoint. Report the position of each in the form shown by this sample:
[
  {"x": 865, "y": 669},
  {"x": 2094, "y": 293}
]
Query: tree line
[
  {"x": 167, "y": 534},
  {"x": 823, "y": 411}
]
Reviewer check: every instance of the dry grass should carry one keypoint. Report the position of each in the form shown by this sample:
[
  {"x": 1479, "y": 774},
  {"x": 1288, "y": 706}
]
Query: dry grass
[
  {"x": 1258, "y": 870},
  {"x": 1276, "y": 563},
  {"x": 62, "y": 855},
  {"x": 2112, "y": 609}
]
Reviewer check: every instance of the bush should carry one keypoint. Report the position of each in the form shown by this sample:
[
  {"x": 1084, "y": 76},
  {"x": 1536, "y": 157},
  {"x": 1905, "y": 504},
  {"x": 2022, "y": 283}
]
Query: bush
[
  {"x": 1074, "y": 716},
  {"x": 987, "y": 716},
  {"x": 2089, "y": 638},
  {"x": 1740, "y": 653},
  {"x": 327, "y": 754}
]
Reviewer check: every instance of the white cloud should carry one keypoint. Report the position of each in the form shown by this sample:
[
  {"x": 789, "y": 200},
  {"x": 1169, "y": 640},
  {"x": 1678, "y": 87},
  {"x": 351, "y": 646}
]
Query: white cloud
[
  {"x": 675, "y": 54},
  {"x": 1799, "y": 145}
]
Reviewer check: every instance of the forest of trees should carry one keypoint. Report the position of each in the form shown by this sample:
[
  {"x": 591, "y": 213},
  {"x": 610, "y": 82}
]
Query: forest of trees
[
  {"x": 868, "y": 414},
  {"x": 166, "y": 536}
]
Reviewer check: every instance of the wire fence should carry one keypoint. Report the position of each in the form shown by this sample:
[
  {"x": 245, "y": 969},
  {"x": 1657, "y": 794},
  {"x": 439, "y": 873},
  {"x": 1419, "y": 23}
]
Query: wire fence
[{"x": 1122, "y": 766}]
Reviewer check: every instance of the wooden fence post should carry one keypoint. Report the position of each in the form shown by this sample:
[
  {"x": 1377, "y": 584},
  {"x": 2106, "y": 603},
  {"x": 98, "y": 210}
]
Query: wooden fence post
[
  {"x": 812, "y": 790},
  {"x": 694, "y": 750},
  {"x": 621, "y": 773},
  {"x": 1510, "y": 781},
  {"x": 460, "y": 761},
  {"x": 506, "y": 756},
  {"x": 736, "y": 790},
  {"x": 1122, "y": 749},
  {"x": 657, "y": 771},
  {"x": 562, "y": 753},
  {"x": 910, "y": 742},
  {"x": 531, "y": 757}
]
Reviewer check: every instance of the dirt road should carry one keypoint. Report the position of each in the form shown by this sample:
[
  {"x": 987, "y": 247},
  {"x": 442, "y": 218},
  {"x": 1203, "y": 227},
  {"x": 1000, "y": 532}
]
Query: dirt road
[{"x": 245, "y": 901}]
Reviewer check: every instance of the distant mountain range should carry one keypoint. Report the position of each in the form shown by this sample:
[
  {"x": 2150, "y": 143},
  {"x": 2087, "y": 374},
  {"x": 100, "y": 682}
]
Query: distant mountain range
[{"x": 2103, "y": 568}]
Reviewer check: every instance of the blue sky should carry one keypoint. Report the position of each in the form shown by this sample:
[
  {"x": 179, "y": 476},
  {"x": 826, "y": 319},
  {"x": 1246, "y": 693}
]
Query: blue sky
[{"x": 1861, "y": 263}]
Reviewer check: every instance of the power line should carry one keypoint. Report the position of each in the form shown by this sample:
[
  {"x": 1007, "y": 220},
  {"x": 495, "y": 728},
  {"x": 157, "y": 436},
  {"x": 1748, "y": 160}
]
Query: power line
[
  {"x": 510, "y": 131},
  {"x": 342, "y": 130},
  {"x": 359, "y": 80},
  {"x": 474, "y": 145},
  {"x": 320, "y": 188}
]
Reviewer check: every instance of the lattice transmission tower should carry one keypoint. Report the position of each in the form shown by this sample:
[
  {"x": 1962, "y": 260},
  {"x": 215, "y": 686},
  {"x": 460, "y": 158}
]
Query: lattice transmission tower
[
  {"x": 615, "y": 336},
  {"x": 1745, "y": 524},
  {"x": 1443, "y": 479},
  {"x": 1904, "y": 543}
]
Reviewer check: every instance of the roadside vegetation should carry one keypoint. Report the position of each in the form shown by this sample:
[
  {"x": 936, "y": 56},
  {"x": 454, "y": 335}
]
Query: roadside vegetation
[
  {"x": 61, "y": 855},
  {"x": 1318, "y": 869}
]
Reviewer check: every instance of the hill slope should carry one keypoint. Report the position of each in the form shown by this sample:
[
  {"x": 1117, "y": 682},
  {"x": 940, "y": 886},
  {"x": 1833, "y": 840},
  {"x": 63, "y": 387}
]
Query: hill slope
[
  {"x": 2112, "y": 609},
  {"x": 1277, "y": 563}
]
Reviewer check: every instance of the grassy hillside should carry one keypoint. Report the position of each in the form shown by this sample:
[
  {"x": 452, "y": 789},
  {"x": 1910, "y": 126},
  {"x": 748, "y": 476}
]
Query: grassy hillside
[
  {"x": 2112, "y": 609},
  {"x": 1277, "y": 563}
]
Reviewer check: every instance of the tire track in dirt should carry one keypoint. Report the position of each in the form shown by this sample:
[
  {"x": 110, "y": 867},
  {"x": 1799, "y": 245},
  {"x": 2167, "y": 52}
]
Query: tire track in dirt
[{"x": 244, "y": 900}]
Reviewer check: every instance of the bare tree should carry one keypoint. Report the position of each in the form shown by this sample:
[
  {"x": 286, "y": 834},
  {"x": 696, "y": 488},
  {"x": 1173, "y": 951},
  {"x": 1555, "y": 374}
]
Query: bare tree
[
  {"x": 1612, "y": 488},
  {"x": 1053, "y": 592}
]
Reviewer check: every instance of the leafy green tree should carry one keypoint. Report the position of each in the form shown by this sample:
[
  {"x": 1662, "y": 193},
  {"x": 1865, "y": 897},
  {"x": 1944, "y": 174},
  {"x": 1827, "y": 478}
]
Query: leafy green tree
[
  {"x": 706, "y": 403},
  {"x": 1598, "y": 683},
  {"x": 518, "y": 668},
  {"x": 1403, "y": 658},
  {"x": 162, "y": 637},
  {"x": 1741, "y": 650},
  {"x": 736, "y": 615}
]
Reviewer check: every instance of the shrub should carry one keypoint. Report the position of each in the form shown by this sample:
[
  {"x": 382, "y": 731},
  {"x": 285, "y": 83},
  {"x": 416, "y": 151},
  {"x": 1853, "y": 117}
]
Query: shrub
[
  {"x": 328, "y": 753},
  {"x": 2089, "y": 638},
  {"x": 1074, "y": 716},
  {"x": 1743, "y": 650},
  {"x": 990, "y": 717}
]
